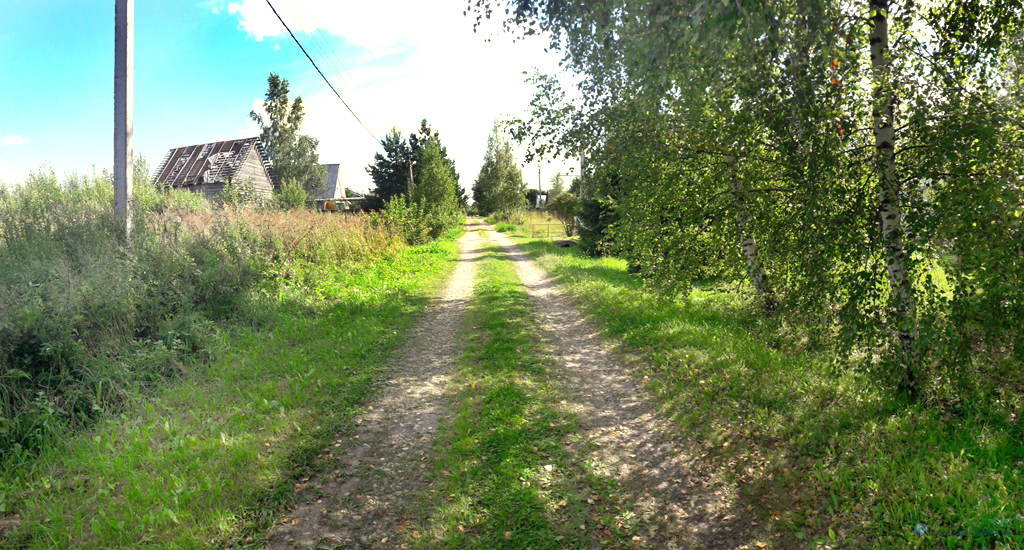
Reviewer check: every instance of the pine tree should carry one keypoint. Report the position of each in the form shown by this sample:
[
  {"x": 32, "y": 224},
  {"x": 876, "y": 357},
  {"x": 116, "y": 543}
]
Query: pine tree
[
  {"x": 557, "y": 186},
  {"x": 417, "y": 142},
  {"x": 390, "y": 171}
]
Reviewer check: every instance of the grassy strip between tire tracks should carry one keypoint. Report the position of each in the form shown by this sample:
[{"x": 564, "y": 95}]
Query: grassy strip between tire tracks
[
  {"x": 212, "y": 459},
  {"x": 833, "y": 461},
  {"x": 513, "y": 472}
]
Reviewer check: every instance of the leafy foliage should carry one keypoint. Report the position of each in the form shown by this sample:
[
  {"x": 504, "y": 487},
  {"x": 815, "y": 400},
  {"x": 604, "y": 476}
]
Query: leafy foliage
[
  {"x": 403, "y": 220},
  {"x": 436, "y": 191},
  {"x": 417, "y": 144},
  {"x": 565, "y": 207},
  {"x": 241, "y": 194},
  {"x": 499, "y": 187},
  {"x": 557, "y": 185},
  {"x": 292, "y": 156},
  {"x": 857, "y": 162},
  {"x": 291, "y": 196},
  {"x": 390, "y": 171}
]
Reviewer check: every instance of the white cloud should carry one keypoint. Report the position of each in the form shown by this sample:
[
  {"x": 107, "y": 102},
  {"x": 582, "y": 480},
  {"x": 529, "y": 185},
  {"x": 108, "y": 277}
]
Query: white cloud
[
  {"x": 444, "y": 72},
  {"x": 367, "y": 24},
  {"x": 13, "y": 140}
]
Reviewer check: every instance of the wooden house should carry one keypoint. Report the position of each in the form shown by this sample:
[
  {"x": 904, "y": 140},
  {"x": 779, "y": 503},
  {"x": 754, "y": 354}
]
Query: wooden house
[{"x": 206, "y": 168}]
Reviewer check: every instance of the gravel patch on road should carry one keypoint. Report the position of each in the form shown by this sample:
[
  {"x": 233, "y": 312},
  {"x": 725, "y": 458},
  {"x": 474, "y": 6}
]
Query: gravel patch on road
[
  {"x": 371, "y": 494},
  {"x": 683, "y": 504}
]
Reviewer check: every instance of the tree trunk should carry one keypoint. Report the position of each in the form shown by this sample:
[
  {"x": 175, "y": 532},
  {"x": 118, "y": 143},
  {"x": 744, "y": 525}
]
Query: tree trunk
[
  {"x": 748, "y": 245},
  {"x": 883, "y": 115}
]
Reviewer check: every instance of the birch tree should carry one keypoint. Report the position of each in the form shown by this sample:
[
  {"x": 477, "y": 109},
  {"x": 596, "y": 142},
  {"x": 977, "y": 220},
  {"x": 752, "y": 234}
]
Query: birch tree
[{"x": 864, "y": 154}]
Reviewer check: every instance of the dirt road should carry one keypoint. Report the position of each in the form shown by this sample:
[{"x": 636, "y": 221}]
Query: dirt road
[{"x": 372, "y": 494}]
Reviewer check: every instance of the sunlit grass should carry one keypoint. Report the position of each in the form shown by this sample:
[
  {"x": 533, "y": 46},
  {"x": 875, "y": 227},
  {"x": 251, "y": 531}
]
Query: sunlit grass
[
  {"x": 513, "y": 472},
  {"x": 830, "y": 457},
  {"x": 211, "y": 458},
  {"x": 536, "y": 224}
]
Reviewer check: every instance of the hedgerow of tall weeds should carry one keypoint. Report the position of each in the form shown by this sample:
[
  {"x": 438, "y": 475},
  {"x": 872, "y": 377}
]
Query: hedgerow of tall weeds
[{"x": 89, "y": 318}]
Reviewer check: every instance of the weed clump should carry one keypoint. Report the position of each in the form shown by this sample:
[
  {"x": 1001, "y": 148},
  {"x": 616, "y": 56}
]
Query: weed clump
[{"x": 89, "y": 318}]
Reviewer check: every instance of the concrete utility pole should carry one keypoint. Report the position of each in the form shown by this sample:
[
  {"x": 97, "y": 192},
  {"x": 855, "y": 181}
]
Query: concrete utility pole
[
  {"x": 412, "y": 184},
  {"x": 540, "y": 186},
  {"x": 124, "y": 53}
]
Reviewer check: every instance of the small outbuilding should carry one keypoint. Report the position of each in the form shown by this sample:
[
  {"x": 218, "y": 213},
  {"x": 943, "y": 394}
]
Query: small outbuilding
[
  {"x": 334, "y": 188},
  {"x": 208, "y": 167}
]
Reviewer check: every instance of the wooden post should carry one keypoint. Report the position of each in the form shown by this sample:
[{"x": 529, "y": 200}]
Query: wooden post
[{"x": 124, "y": 52}]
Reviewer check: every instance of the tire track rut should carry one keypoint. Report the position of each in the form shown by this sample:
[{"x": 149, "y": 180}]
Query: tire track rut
[
  {"x": 661, "y": 473},
  {"x": 369, "y": 495}
]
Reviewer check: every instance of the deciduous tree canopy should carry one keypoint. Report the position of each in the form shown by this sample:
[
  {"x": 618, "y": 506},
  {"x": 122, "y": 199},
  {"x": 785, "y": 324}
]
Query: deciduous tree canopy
[
  {"x": 859, "y": 161},
  {"x": 499, "y": 187},
  {"x": 292, "y": 156}
]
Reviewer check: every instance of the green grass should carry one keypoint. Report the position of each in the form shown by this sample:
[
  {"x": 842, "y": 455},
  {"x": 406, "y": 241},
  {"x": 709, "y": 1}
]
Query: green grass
[
  {"x": 830, "y": 458},
  {"x": 536, "y": 224},
  {"x": 211, "y": 458},
  {"x": 513, "y": 472}
]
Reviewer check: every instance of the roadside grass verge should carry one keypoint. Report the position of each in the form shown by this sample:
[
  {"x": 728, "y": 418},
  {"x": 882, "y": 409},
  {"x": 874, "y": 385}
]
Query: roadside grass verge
[
  {"x": 211, "y": 458},
  {"x": 831, "y": 459},
  {"x": 536, "y": 224},
  {"x": 512, "y": 472},
  {"x": 89, "y": 320}
]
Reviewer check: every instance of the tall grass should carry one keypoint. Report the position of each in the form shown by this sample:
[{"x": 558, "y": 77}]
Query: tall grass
[
  {"x": 534, "y": 224},
  {"x": 89, "y": 318}
]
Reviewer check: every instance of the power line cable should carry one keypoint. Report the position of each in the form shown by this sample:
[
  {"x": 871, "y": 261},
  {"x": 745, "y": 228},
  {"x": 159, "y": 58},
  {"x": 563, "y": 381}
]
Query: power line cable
[
  {"x": 327, "y": 52},
  {"x": 375, "y": 138},
  {"x": 312, "y": 29},
  {"x": 321, "y": 33},
  {"x": 322, "y": 49}
]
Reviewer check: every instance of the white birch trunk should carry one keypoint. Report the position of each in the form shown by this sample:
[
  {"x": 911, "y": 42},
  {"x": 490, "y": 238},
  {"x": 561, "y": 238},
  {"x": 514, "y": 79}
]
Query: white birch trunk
[
  {"x": 883, "y": 115},
  {"x": 748, "y": 244}
]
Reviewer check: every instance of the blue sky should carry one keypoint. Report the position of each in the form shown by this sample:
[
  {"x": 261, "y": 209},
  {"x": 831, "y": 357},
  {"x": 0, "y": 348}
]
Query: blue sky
[{"x": 201, "y": 66}]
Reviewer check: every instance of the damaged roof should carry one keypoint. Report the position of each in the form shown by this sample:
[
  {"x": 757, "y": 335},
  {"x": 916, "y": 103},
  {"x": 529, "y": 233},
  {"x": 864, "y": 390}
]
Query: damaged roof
[{"x": 209, "y": 162}]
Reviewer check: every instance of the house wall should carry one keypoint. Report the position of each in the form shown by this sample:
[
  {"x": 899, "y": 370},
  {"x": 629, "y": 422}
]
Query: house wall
[{"x": 251, "y": 167}]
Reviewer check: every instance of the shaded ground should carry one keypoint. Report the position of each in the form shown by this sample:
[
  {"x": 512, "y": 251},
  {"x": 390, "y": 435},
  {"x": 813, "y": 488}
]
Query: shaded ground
[{"x": 368, "y": 491}]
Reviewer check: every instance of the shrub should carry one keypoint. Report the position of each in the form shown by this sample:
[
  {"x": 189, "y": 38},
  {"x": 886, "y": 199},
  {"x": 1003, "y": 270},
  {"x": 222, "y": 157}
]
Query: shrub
[
  {"x": 241, "y": 194},
  {"x": 565, "y": 207},
  {"x": 291, "y": 196},
  {"x": 407, "y": 222}
]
